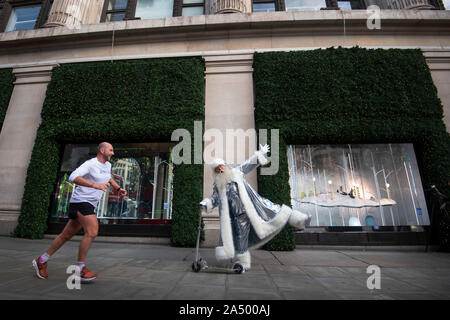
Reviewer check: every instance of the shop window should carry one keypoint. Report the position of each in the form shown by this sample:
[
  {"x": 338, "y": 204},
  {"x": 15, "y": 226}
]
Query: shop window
[
  {"x": 192, "y": 8},
  {"x": 357, "y": 185},
  {"x": 23, "y": 18},
  {"x": 292, "y": 5},
  {"x": 143, "y": 169}
]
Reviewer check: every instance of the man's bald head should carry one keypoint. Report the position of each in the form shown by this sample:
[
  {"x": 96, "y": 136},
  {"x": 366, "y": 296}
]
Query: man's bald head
[
  {"x": 105, "y": 151},
  {"x": 103, "y": 145}
]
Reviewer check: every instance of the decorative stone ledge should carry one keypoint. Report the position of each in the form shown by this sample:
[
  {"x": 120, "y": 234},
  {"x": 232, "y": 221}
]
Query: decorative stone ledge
[
  {"x": 28, "y": 75},
  {"x": 308, "y": 21}
]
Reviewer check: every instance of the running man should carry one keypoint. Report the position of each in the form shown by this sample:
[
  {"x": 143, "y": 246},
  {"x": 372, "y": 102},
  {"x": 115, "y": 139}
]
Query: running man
[{"x": 93, "y": 178}]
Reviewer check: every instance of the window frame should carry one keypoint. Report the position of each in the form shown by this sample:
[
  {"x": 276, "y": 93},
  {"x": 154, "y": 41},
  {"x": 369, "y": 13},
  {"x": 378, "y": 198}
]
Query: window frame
[
  {"x": 7, "y": 7},
  {"x": 178, "y": 6}
]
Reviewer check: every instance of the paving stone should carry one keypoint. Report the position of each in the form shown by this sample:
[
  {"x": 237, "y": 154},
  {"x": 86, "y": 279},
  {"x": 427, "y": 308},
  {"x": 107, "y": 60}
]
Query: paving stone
[
  {"x": 168, "y": 278},
  {"x": 209, "y": 279},
  {"x": 246, "y": 280},
  {"x": 317, "y": 294},
  {"x": 344, "y": 284},
  {"x": 252, "y": 294},
  {"x": 145, "y": 271},
  {"x": 203, "y": 292},
  {"x": 324, "y": 271},
  {"x": 296, "y": 281}
]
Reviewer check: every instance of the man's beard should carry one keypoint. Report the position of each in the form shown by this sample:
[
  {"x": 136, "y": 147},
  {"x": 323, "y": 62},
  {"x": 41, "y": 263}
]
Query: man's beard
[{"x": 221, "y": 179}]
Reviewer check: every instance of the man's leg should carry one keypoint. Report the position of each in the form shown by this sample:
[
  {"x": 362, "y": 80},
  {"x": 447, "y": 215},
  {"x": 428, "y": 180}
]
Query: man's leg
[
  {"x": 40, "y": 263},
  {"x": 71, "y": 229},
  {"x": 90, "y": 227}
]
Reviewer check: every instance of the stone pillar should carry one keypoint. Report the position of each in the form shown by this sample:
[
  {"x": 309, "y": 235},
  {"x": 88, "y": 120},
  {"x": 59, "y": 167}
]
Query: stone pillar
[
  {"x": 228, "y": 105},
  {"x": 439, "y": 63},
  {"x": 230, "y": 6},
  {"x": 73, "y": 13},
  {"x": 17, "y": 139}
]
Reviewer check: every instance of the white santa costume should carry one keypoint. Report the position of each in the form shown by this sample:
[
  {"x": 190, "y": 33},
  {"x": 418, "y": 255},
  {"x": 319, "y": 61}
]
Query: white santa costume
[{"x": 247, "y": 220}]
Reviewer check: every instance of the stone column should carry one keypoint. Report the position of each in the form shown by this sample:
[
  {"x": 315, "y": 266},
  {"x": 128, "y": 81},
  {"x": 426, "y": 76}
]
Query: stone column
[
  {"x": 439, "y": 63},
  {"x": 73, "y": 13},
  {"x": 230, "y": 6},
  {"x": 228, "y": 105},
  {"x": 17, "y": 139}
]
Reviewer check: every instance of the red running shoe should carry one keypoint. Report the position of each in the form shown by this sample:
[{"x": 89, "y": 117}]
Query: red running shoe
[
  {"x": 40, "y": 268},
  {"x": 86, "y": 275}
]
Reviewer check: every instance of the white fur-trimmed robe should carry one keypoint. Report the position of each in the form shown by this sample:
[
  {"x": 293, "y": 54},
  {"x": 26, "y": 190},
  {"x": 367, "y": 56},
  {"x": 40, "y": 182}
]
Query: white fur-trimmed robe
[{"x": 265, "y": 218}]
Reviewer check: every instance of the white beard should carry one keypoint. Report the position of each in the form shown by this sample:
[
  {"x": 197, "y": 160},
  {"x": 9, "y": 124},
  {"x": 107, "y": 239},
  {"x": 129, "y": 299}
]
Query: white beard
[{"x": 222, "y": 179}]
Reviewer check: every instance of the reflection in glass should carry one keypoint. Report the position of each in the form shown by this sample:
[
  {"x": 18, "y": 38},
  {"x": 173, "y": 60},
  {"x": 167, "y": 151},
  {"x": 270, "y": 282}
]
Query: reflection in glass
[
  {"x": 117, "y": 4},
  {"x": 143, "y": 169},
  {"x": 192, "y": 11},
  {"x": 305, "y": 4},
  {"x": 23, "y": 18},
  {"x": 153, "y": 9},
  {"x": 119, "y": 16},
  {"x": 357, "y": 185},
  {"x": 344, "y": 5},
  {"x": 264, "y": 7}
]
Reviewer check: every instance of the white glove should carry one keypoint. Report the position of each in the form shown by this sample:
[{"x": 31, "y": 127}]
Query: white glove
[{"x": 264, "y": 149}]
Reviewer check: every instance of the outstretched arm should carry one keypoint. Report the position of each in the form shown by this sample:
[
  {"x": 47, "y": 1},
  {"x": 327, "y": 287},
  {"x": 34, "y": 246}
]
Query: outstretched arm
[
  {"x": 256, "y": 160},
  {"x": 211, "y": 203}
]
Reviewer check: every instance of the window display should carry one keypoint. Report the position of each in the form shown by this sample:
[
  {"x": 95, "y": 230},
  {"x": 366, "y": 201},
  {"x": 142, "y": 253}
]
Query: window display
[
  {"x": 357, "y": 185},
  {"x": 143, "y": 169}
]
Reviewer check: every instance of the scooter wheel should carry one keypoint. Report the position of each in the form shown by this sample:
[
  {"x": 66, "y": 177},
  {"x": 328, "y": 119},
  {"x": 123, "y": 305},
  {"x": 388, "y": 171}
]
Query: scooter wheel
[
  {"x": 195, "y": 267},
  {"x": 238, "y": 268}
]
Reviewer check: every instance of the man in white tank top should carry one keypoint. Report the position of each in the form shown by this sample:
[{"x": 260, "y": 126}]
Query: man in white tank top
[{"x": 93, "y": 178}]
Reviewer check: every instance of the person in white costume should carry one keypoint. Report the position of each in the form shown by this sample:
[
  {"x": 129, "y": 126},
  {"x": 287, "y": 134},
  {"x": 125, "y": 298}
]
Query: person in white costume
[{"x": 247, "y": 220}]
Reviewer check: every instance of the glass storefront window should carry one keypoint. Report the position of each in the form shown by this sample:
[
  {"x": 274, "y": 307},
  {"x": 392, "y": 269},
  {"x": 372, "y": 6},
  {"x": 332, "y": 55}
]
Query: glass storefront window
[
  {"x": 23, "y": 18},
  {"x": 153, "y": 9},
  {"x": 143, "y": 169},
  {"x": 305, "y": 4},
  {"x": 264, "y": 7},
  {"x": 357, "y": 185}
]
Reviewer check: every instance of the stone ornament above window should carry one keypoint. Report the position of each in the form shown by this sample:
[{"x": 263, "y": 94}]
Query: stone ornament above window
[{"x": 231, "y": 6}]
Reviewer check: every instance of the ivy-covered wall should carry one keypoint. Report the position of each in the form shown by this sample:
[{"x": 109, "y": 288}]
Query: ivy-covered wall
[
  {"x": 6, "y": 87},
  {"x": 356, "y": 95},
  {"x": 125, "y": 101}
]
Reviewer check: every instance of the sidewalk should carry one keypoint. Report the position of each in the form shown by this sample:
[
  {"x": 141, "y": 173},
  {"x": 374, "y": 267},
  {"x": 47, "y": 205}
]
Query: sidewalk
[{"x": 144, "y": 271}]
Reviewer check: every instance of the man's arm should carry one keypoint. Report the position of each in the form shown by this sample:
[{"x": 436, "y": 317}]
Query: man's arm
[
  {"x": 211, "y": 203},
  {"x": 87, "y": 183},
  {"x": 116, "y": 186},
  {"x": 77, "y": 177},
  {"x": 256, "y": 160}
]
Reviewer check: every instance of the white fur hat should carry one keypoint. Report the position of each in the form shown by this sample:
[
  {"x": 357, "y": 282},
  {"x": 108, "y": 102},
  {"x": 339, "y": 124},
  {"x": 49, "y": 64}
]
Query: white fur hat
[{"x": 216, "y": 162}]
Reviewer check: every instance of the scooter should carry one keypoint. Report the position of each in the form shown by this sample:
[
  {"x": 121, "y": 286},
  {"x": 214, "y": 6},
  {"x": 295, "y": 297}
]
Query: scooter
[{"x": 200, "y": 264}]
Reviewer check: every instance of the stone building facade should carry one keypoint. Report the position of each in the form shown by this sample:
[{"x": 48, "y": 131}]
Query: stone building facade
[{"x": 225, "y": 33}]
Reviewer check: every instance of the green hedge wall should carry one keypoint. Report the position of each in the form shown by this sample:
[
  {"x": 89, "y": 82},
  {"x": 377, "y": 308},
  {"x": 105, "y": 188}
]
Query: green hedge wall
[
  {"x": 125, "y": 101},
  {"x": 355, "y": 95},
  {"x": 6, "y": 87}
]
